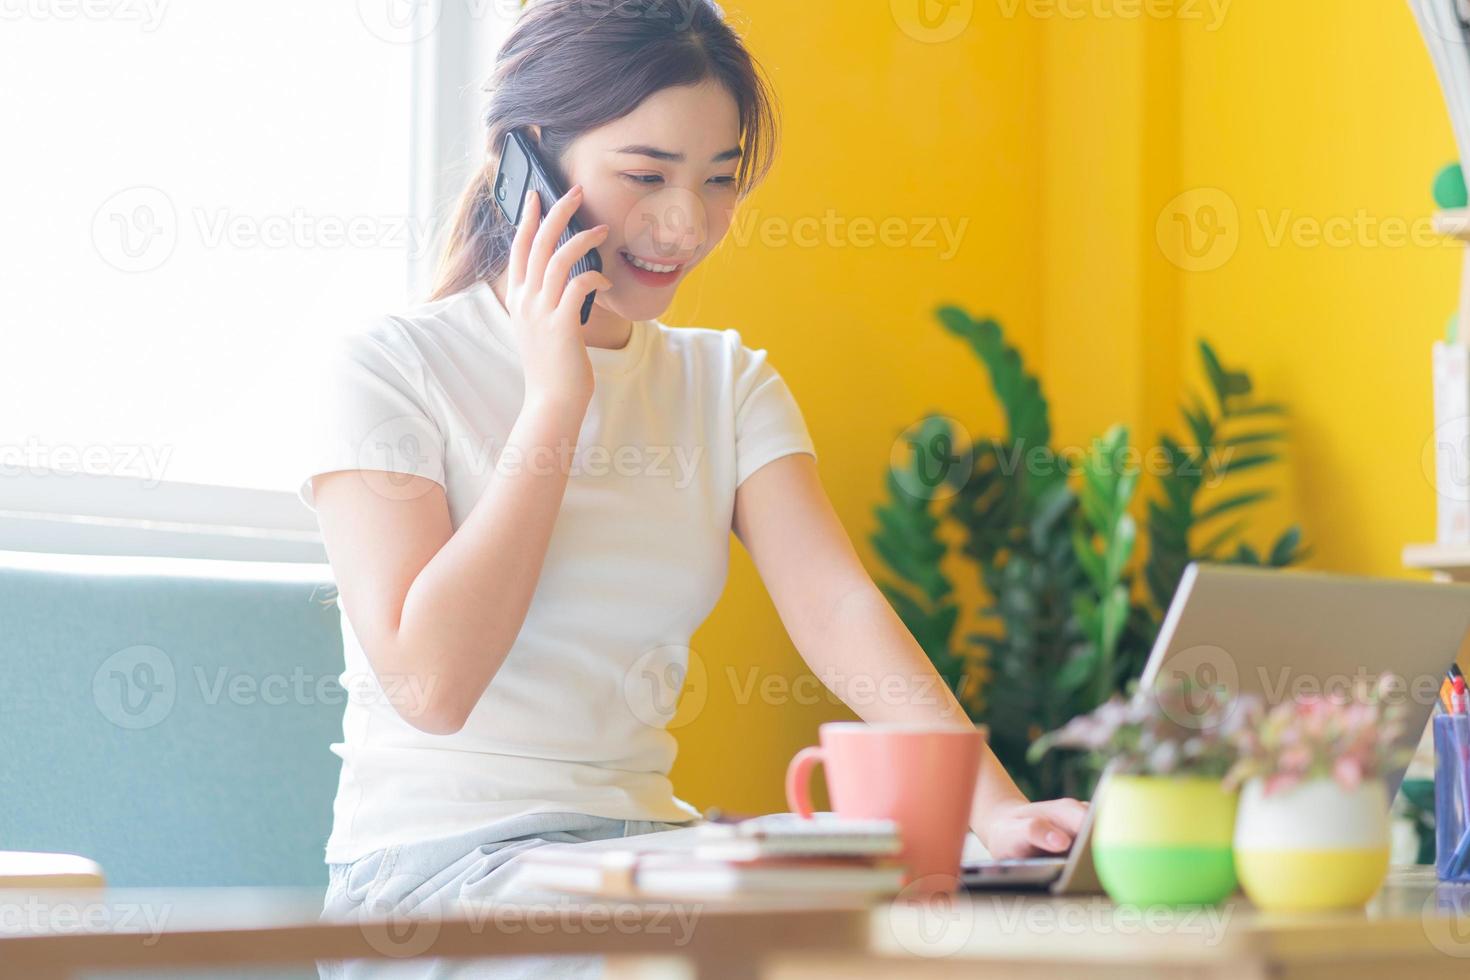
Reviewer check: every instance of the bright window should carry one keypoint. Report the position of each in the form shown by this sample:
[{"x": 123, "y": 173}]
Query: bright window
[{"x": 192, "y": 192}]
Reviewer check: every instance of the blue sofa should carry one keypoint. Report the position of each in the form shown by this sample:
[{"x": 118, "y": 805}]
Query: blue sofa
[{"x": 170, "y": 718}]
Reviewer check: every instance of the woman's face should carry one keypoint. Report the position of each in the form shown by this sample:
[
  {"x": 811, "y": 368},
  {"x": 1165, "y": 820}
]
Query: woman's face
[{"x": 663, "y": 179}]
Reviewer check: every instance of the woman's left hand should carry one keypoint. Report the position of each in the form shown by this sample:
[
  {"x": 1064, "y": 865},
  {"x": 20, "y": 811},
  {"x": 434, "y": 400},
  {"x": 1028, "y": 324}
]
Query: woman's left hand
[{"x": 1022, "y": 829}]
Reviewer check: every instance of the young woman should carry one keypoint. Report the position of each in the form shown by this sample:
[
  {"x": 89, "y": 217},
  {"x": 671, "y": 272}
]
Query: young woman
[{"x": 528, "y": 518}]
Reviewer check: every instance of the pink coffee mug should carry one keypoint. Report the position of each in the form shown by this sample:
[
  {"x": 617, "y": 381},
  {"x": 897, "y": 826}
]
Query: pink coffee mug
[{"x": 921, "y": 776}]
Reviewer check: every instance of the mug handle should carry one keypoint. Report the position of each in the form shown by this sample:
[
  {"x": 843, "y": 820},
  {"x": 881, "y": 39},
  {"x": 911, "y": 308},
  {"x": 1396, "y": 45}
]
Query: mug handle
[{"x": 799, "y": 780}]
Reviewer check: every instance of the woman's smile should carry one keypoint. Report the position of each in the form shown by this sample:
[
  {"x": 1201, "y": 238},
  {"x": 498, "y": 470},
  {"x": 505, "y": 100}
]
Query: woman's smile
[{"x": 648, "y": 272}]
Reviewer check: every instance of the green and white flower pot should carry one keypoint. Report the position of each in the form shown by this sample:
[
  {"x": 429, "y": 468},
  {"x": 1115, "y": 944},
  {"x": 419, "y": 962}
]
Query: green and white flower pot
[{"x": 1164, "y": 841}]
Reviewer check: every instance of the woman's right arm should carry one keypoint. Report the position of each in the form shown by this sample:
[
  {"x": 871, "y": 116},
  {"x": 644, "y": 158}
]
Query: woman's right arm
[{"x": 437, "y": 609}]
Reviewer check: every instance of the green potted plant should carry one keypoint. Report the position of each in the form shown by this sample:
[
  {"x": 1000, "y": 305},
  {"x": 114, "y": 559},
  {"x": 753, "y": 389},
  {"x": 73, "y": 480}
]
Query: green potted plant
[
  {"x": 1070, "y": 606},
  {"x": 1165, "y": 820},
  {"x": 1313, "y": 827}
]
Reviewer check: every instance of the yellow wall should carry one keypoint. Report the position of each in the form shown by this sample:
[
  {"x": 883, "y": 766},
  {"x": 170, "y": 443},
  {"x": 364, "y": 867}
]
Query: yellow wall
[
  {"x": 1317, "y": 111},
  {"x": 877, "y": 125},
  {"x": 1062, "y": 140}
]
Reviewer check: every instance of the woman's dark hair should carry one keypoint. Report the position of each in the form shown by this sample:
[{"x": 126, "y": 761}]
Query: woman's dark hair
[{"x": 569, "y": 66}]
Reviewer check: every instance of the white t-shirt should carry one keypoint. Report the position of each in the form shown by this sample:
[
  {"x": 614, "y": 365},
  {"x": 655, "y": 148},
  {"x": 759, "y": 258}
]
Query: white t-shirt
[{"x": 576, "y": 717}]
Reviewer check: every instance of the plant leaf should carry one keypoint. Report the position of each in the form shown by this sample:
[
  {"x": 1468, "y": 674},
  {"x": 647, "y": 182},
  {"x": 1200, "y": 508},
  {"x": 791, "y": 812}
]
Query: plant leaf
[{"x": 1232, "y": 503}]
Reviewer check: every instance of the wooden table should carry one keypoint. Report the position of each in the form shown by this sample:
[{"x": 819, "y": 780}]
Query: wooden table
[
  {"x": 1414, "y": 929},
  {"x": 53, "y": 934}
]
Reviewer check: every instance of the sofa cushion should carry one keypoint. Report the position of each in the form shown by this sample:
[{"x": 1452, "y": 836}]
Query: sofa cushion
[{"x": 170, "y": 718}]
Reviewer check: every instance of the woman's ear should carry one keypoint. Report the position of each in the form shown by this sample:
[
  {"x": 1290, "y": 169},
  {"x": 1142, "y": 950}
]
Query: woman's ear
[{"x": 535, "y": 129}]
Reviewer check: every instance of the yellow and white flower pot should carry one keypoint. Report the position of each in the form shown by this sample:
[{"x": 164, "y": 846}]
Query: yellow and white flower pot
[{"x": 1314, "y": 846}]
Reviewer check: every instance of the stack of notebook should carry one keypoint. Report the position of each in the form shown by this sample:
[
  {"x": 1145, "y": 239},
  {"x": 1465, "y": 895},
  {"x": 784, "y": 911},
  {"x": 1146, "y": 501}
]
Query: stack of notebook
[{"x": 778, "y": 853}]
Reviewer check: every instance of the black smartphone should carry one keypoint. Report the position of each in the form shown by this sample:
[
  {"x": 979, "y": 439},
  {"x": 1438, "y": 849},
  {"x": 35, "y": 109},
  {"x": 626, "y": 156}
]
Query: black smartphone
[{"x": 521, "y": 170}]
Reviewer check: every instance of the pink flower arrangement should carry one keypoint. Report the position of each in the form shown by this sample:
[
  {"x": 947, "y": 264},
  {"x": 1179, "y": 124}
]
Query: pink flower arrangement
[
  {"x": 1350, "y": 737},
  {"x": 1186, "y": 729},
  {"x": 1175, "y": 728}
]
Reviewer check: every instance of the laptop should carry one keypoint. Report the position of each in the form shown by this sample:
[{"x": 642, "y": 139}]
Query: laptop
[{"x": 1276, "y": 633}]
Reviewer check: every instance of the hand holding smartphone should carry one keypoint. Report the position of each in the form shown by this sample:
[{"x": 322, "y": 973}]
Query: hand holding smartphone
[{"x": 522, "y": 170}]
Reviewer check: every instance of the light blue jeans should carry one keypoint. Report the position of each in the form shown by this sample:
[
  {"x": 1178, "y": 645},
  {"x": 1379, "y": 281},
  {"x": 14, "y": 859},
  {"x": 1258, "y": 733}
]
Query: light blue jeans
[{"x": 427, "y": 877}]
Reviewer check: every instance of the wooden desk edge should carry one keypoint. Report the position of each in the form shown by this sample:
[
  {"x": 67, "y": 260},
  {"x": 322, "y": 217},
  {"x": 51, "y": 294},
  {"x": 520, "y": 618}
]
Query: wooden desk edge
[{"x": 685, "y": 932}]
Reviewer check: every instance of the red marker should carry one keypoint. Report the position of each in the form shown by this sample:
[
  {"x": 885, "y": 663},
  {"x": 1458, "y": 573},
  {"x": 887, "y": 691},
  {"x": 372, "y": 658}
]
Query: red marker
[{"x": 1457, "y": 699}]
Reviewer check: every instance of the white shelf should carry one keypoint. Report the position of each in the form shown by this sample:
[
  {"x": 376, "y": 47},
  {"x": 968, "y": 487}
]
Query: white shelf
[
  {"x": 1455, "y": 224},
  {"x": 1452, "y": 561}
]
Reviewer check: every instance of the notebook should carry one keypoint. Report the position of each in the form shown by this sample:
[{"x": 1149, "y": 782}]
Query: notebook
[
  {"x": 776, "y": 853},
  {"x": 787, "y": 834},
  {"x": 668, "y": 874}
]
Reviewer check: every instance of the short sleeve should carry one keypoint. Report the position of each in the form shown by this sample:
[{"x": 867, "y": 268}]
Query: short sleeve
[
  {"x": 768, "y": 421},
  {"x": 368, "y": 413}
]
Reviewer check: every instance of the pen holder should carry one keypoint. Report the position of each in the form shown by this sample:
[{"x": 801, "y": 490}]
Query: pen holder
[{"x": 1452, "y": 797}]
